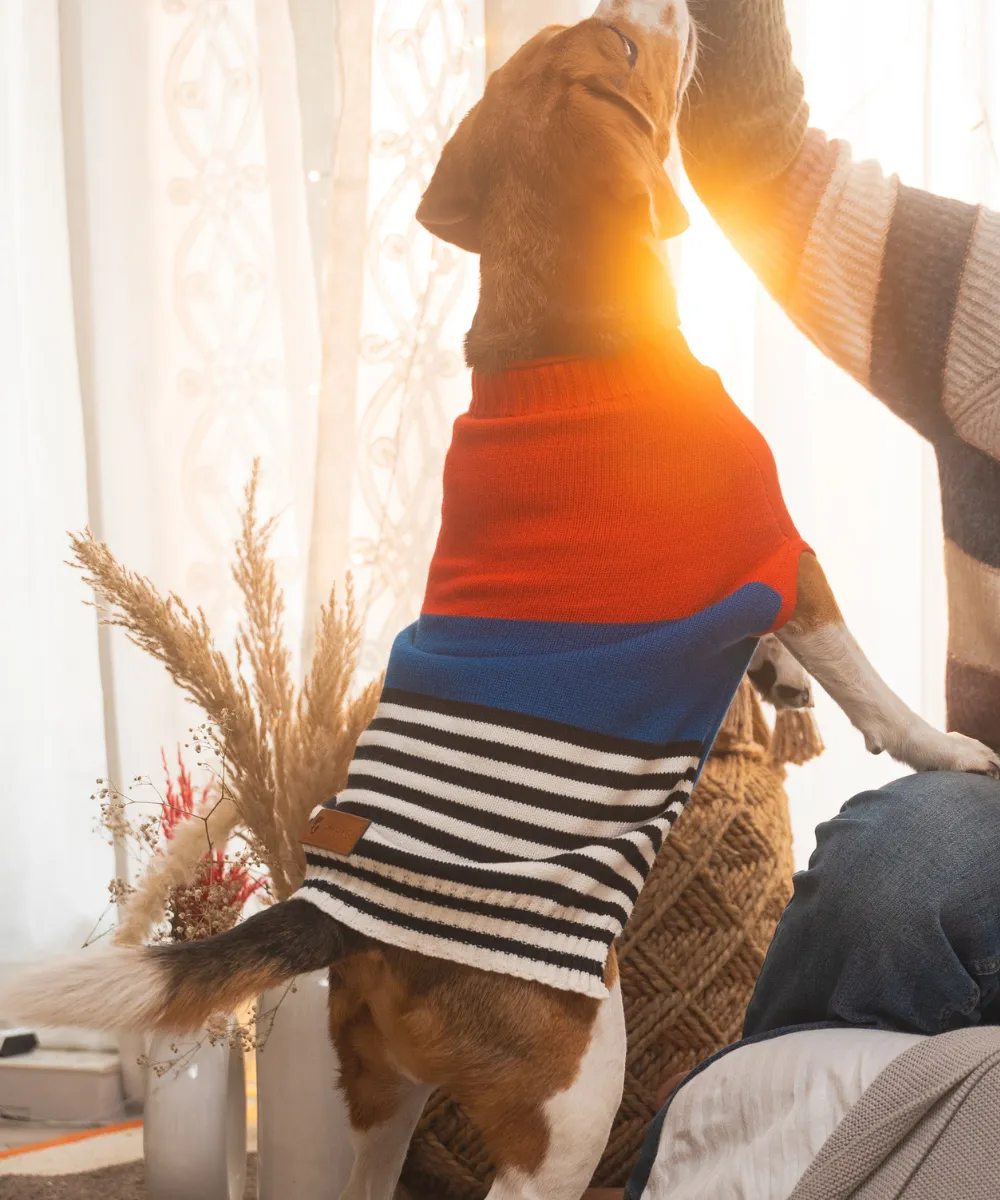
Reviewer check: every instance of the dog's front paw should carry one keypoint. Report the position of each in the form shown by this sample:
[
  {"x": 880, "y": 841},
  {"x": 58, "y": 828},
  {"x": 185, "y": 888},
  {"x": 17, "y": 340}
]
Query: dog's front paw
[{"x": 928, "y": 749}]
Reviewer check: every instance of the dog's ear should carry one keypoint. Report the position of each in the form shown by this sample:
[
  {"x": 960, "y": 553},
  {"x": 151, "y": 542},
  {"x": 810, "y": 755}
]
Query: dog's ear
[
  {"x": 646, "y": 179},
  {"x": 633, "y": 172},
  {"x": 451, "y": 208}
]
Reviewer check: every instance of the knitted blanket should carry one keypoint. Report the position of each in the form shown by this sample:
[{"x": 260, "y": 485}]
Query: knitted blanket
[
  {"x": 927, "y": 1128},
  {"x": 613, "y": 543}
]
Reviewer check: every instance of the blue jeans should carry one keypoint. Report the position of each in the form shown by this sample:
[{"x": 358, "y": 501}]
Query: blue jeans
[{"x": 896, "y": 923}]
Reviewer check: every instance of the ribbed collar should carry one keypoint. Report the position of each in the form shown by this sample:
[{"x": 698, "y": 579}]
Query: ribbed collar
[{"x": 554, "y": 384}]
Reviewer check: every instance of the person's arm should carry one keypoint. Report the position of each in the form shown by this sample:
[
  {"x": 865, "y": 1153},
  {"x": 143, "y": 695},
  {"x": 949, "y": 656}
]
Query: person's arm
[{"x": 899, "y": 287}]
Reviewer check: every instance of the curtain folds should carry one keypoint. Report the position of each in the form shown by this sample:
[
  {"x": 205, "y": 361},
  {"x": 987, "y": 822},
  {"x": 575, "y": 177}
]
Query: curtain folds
[{"x": 53, "y": 870}]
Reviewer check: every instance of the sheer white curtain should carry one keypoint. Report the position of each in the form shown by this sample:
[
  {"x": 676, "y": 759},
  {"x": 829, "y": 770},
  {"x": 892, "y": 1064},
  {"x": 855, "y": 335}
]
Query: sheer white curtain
[
  {"x": 167, "y": 214},
  {"x": 53, "y": 870},
  {"x": 390, "y": 395},
  {"x": 160, "y": 330}
]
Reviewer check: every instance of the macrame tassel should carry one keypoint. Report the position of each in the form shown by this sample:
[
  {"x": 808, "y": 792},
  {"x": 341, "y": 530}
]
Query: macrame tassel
[
  {"x": 738, "y": 726},
  {"x": 796, "y": 738}
]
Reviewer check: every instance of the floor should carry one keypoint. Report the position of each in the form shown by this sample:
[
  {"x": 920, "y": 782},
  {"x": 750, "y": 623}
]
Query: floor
[
  {"x": 74, "y": 1153},
  {"x": 28, "y": 1147},
  {"x": 23, "y": 1133},
  {"x": 113, "y": 1183},
  {"x": 48, "y": 1162}
]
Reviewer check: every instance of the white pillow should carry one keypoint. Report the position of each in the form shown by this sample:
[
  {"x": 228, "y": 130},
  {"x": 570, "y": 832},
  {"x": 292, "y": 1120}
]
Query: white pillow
[{"x": 747, "y": 1126}]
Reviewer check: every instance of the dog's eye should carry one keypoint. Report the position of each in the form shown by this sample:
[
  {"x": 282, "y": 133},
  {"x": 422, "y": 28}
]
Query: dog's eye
[{"x": 631, "y": 49}]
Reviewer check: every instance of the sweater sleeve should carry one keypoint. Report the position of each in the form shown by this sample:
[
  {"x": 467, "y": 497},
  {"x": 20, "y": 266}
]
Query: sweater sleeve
[
  {"x": 895, "y": 285},
  {"x": 899, "y": 287}
]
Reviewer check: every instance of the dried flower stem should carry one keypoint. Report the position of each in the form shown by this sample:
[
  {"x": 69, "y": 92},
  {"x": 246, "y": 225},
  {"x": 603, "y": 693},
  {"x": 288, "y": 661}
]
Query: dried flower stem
[{"x": 281, "y": 753}]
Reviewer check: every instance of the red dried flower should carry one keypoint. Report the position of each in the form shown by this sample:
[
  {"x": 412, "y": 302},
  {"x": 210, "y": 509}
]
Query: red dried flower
[{"x": 213, "y": 902}]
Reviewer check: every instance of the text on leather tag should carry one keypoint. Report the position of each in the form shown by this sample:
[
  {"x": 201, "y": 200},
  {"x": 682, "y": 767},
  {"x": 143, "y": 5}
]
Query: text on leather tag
[{"x": 335, "y": 831}]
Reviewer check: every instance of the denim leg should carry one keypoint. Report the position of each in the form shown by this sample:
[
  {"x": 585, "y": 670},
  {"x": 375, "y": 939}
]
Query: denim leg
[{"x": 896, "y": 922}]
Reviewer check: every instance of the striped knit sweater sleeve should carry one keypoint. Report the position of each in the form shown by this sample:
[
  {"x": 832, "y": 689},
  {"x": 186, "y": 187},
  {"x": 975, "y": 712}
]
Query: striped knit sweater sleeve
[{"x": 899, "y": 287}]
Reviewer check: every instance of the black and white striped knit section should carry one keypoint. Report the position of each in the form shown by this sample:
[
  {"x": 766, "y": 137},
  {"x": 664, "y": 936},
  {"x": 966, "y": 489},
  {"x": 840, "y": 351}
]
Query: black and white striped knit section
[{"x": 499, "y": 840}]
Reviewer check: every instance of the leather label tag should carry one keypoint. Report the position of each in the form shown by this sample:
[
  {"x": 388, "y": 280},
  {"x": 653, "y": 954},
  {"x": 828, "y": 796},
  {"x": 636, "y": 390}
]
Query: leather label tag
[{"x": 335, "y": 831}]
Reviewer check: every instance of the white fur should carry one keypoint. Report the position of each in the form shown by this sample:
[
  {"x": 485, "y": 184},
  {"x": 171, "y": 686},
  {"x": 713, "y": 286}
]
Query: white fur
[
  {"x": 579, "y": 1118},
  {"x": 579, "y": 1124},
  {"x": 107, "y": 988},
  {"x": 835, "y": 659},
  {"x": 669, "y": 15},
  {"x": 379, "y": 1152}
]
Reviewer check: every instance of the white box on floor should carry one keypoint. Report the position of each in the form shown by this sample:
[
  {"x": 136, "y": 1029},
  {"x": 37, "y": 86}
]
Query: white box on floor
[{"x": 62, "y": 1085}]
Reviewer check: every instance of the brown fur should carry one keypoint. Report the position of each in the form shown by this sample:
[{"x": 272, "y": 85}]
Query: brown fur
[
  {"x": 815, "y": 603},
  {"x": 556, "y": 179},
  {"x": 217, "y": 974},
  {"x": 395, "y": 1016},
  {"x": 501, "y": 1046}
]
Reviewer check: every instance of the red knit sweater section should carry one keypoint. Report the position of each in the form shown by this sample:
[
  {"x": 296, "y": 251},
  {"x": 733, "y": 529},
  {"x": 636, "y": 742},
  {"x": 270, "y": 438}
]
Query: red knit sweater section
[{"x": 608, "y": 490}]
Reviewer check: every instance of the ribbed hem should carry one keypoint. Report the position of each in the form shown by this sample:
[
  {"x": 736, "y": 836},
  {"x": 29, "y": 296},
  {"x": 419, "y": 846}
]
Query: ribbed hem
[
  {"x": 562, "y": 978},
  {"x": 560, "y": 384}
]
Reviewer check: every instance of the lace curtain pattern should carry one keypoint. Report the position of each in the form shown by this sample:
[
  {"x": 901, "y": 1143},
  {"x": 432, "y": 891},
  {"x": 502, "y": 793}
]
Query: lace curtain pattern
[
  {"x": 416, "y": 298},
  {"x": 236, "y": 382},
  {"x": 419, "y": 298}
]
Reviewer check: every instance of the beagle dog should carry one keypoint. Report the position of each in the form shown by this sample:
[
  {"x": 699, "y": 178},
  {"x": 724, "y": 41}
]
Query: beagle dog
[{"x": 556, "y": 180}]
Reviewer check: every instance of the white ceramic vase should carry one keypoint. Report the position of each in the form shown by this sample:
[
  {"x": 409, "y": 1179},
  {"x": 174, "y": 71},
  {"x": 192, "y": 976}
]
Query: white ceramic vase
[
  {"x": 303, "y": 1142},
  {"x": 194, "y": 1132}
]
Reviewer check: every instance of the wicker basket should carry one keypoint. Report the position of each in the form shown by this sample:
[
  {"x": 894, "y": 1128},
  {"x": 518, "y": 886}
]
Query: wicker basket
[{"x": 689, "y": 955}]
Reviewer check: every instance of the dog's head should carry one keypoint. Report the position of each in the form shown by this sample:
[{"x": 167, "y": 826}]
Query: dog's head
[{"x": 580, "y": 119}]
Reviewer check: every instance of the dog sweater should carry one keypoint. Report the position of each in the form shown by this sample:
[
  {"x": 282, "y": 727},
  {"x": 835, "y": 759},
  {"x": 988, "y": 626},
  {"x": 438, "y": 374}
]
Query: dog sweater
[{"x": 613, "y": 543}]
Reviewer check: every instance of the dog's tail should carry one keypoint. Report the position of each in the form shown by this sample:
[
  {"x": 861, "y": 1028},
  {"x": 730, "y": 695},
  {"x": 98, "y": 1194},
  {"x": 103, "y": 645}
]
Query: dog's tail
[{"x": 177, "y": 986}]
